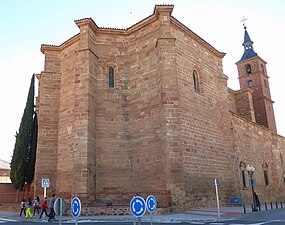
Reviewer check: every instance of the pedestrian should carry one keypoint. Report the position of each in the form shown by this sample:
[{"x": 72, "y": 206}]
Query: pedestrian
[
  {"x": 28, "y": 210},
  {"x": 37, "y": 205},
  {"x": 23, "y": 207},
  {"x": 44, "y": 207},
  {"x": 51, "y": 214},
  {"x": 257, "y": 202}
]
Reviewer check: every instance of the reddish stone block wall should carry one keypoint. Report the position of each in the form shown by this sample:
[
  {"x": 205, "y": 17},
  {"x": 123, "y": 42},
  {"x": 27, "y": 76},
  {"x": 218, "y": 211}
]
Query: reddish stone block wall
[
  {"x": 244, "y": 104},
  {"x": 255, "y": 145},
  {"x": 207, "y": 153},
  {"x": 150, "y": 132},
  {"x": 48, "y": 117}
]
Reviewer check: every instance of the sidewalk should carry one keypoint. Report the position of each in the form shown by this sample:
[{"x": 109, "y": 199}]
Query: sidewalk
[{"x": 205, "y": 214}]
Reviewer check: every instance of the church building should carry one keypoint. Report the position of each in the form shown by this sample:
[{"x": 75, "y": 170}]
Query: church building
[{"x": 147, "y": 110}]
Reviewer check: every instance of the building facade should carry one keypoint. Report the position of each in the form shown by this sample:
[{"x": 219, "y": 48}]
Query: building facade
[{"x": 147, "y": 110}]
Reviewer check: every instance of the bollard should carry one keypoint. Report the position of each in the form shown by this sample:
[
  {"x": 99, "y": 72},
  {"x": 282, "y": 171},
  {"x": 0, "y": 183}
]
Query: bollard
[
  {"x": 265, "y": 206},
  {"x": 271, "y": 205},
  {"x": 276, "y": 205},
  {"x": 244, "y": 210},
  {"x": 259, "y": 207},
  {"x": 281, "y": 204},
  {"x": 252, "y": 207}
]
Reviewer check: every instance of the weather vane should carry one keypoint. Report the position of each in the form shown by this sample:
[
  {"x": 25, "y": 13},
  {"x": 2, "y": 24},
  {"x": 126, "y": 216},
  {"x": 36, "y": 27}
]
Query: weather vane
[{"x": 243, "y": 21}]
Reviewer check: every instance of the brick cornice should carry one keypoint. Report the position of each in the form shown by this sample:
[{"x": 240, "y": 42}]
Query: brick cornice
[
  {"x": 70, "y": 41},
  {"x": 148, "y": 20},
  {"x": 182, "y": 27}
]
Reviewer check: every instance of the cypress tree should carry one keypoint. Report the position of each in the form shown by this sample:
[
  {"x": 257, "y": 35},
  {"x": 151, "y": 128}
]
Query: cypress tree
[
  {"x": 23, "y": 146},
  {"x": 32, "y": 152}
]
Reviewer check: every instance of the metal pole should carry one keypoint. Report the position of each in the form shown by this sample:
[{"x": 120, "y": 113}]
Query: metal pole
[
  {"x": 135, "y": 220},
  {"x": 253, "y": 197},
  {"x": 150, "y": 218},
  {"x": 76, "y": 221},
  {"x": 45, "y": 192},
  {"x": 217, "y": 195},
  {"x": 139, "y": 220}
]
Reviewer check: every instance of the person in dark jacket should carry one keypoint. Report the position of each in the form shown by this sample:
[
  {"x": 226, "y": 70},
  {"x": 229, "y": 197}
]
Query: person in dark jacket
[
  {"x": 51, "y": 214},
  {"x": 257, "y": 202},
  {"x": 23, "y": 207}
]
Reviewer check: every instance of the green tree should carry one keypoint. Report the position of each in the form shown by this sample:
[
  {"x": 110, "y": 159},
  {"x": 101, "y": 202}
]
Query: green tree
[
  {"x": 31, "y": 161},
  {"x": 25, "y": 144}
]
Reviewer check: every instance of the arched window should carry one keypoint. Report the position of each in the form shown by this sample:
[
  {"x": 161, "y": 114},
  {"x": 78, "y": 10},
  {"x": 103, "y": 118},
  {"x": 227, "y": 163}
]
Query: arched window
[
  {"x": 111, "y": 77},
  {"x": 249, "y": 83},
  {"x": 196, "y": 82},
  {"x": 248, "y": 69},
  {"x": 265, "y": 173},
  {"x": 262, "y": 68},
  {"x": 242, "y": 167}
]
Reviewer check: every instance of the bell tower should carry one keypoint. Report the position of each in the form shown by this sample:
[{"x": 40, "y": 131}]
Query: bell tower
[{"x": 252, "y": 74}]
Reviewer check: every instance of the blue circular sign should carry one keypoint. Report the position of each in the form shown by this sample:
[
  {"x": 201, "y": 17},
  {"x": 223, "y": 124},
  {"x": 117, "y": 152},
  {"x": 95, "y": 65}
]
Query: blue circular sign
[
  {"x": 151, "y": 203},
  {"x": 75, "y": 207},
  {"x": 137, "y": 206}
]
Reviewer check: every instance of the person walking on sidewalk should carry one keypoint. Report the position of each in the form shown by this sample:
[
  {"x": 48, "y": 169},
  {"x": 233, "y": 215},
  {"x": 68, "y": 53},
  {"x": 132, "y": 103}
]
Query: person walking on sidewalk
[
  {"x": 44, "y": 208},
  {"x": 257, "y": 202},
  {"x": 51, "y": 214},
  {"x": 37, "y": 205},
  {"x": 23, "y": 207},
  {"x": 29, "y": 206}
]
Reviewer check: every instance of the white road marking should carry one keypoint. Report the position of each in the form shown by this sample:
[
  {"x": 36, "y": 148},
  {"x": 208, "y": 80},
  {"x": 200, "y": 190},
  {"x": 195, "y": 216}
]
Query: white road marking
[{"x": 7, "y": 220}]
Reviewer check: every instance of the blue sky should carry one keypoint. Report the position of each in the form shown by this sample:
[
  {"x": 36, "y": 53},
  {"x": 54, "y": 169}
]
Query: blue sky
[{"x": 25, "y": 25}]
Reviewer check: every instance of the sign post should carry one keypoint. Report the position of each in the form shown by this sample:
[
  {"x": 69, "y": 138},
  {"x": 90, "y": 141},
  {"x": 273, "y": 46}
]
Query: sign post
[
  {"x": 76, "y": 208},
  {"x": 59, "y": 208},
  {"x": 138, "y": 207},
  {"x": 45, "y": 185},
  {"x": 217, "y": 195},
  {"x": 151, "y": 205}
]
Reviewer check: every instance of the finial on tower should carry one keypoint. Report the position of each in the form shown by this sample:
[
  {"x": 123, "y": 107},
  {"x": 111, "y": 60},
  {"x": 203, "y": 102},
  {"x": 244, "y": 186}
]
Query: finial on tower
[{"x": 243, "y": 22}]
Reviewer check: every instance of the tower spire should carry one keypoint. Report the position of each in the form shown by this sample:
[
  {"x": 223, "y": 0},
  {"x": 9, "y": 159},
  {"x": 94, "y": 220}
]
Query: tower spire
[
  {"x": 252, "y": 74},
  {"x": 247, "y": 44}
]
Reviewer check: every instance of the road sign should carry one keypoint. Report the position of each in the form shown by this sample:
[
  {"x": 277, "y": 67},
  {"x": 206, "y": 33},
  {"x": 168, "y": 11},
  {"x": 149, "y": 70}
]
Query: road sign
[
  {"x": 138, "y": 206},
  {"x": 59, "y": 206},
  {"x": 216, "y": 182},
  {"x": 252, "y": 182},
  {"x": 151, "y": 203},
  {"x": 75, "y": 207},
  {"x": 45, "y": 183}
]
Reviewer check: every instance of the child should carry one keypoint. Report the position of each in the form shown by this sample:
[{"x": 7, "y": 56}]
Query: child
[
  {"x": 23, "y": 207},
  {"x": 29, "y": 206},
  {"x": 37, "y": 206}
]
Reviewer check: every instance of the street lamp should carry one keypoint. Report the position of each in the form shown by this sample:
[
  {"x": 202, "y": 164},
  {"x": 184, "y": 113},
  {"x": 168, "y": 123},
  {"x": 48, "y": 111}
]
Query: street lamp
[{"x": 250, "y": 169}]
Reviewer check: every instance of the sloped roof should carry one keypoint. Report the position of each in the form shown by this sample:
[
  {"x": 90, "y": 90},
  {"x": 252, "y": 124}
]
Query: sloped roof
[
  {"x": 4, "y": 164},
  {"x": 136, "y": 26}
]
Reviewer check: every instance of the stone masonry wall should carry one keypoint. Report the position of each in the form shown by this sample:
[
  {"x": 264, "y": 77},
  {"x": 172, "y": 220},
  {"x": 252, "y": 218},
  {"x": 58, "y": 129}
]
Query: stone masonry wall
[
  {"x": 205, "y": 126},
  {"x": 66, "y": 119},
  {"x": 151, "y": 132},
  {"x": 255, "y": 144},
  {"x": 48, "y": 109}
]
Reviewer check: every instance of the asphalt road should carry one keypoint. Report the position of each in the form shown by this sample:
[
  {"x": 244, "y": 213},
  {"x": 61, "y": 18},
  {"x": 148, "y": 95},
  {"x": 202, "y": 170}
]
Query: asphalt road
[{"x": 270, "y": 217}]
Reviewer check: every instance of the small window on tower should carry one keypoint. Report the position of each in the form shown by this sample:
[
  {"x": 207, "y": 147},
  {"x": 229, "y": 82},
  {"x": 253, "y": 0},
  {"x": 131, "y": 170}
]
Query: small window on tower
[
  {"x": 265, "y": 83},
  {"x": 249, "y": 83},
  {"x": 248, "y": 69},
  {"x": 262, "y": 68}
]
